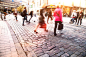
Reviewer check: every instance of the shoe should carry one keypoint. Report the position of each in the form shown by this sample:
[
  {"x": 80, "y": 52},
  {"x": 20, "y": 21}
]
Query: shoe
[
  {"x": 23, "y": 25},
  {"x": 35, "y": 31},
  {"x": 46, "y": 30},
  {"x": 55, "y": 34},
  {"x": 16, "y": 20},
  {"x": 61, "y": 33},
  {"x": 28, "y": 21}
]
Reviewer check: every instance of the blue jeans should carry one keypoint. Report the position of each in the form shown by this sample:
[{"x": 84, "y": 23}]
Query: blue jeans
[
  {"x": 73, "y": 19},
  {"x": 25, "y": 18}
]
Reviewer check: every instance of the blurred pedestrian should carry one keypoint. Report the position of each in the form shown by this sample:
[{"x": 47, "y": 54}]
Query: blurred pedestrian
[
  {"x": 80, "y": 17},
  {"x": 5, "y": 12},
  {"x": 58, "y": 18},
  {"x": 1, "y": 16},
  {"x": 49, "y": 15},
  {"x": 41, "y": 21},
  {"x": 77, "y": 16},
  {"x": 74, "y": 15},
  {"x": 25, "y": 15},
  {"x": 31, "y": 15},
  {"x": 15, "y": 13}
]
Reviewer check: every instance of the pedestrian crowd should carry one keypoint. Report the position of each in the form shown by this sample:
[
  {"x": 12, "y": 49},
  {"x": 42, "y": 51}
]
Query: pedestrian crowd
[{"x": 76, "y": 18}]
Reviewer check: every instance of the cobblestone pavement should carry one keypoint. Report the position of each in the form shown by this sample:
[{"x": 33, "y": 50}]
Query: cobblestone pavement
[
  {"x": 72, "y": 43},
  {"x": 7, "y": 46}
]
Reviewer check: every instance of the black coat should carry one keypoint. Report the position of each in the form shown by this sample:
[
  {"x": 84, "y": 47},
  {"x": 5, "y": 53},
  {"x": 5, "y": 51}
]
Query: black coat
[{"x": 25, "y": 12}]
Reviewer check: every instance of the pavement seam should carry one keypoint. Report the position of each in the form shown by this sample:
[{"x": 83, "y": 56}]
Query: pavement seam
[{"x": 17, "y": 44}]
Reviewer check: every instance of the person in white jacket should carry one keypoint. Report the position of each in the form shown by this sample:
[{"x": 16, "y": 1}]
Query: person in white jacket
[{"x": 74, "y": 15}]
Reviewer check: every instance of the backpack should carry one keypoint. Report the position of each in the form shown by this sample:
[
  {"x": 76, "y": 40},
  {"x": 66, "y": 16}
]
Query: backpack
[{"x": 23, "y": 13}]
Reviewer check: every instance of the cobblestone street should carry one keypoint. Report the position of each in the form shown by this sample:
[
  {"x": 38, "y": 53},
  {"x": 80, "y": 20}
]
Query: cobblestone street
[{"x": 72, "y": 43}]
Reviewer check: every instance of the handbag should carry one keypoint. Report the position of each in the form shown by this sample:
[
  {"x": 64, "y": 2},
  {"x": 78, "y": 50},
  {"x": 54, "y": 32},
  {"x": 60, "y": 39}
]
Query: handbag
[{"x": 60, "y": 26}]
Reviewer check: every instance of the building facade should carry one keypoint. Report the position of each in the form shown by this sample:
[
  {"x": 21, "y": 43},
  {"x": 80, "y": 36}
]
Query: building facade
[{"x": 9, "y": 3}]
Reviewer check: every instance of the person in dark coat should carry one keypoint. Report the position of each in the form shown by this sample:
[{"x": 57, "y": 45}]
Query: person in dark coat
[
  {"x": 80, "y": 17},
  {"x": 77, "y": 15},
  {"x": 5, "y": 12},
  {"x": 15, "y": 13},
  {"x": 49, "y": 15},
  {"x": 31, "y": 14},
  {"x": 25, "y": 15}
]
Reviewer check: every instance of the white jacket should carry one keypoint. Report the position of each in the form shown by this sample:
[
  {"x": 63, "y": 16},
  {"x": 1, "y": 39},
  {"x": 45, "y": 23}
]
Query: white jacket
[{"x": 74, "y": 14}]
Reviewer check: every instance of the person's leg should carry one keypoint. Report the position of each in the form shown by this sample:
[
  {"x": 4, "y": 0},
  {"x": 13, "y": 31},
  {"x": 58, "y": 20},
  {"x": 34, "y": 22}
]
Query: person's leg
[
  {"x": 36, "y": 28},
  {"x": 55, "y": 28},
  {"x": 80, "y": 21},
  {"x": 76, "y": 21},
  {"x": 16, "y": 17},
  {"x": 26, "y": 18},
  {"x": 23, "y": 21},
  {"x": 47, "y": 19},
  {"x": 4, "y": 15},
  {"x": 30, "y": 19},
  {"x": 51, "y": 18},
  {"x": 45, "y": 27}
]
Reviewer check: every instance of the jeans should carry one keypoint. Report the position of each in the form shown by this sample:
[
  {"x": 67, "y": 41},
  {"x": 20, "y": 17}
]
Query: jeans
[{"x": 25, "y": 18}]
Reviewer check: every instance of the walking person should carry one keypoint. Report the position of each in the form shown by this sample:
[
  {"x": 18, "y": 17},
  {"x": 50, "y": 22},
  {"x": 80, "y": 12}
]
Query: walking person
[
  {"x": 5, "y": 12},
  {"x": 58, "y": 18},
  {"x": 41, "y": 21},
  {"x": 31, "y": 15},
  {"x": 49, "y": 15},
  {"x": 15, "y": 13},
  {"x": 25, "y": 15},
  {"x": 77, "y": 17},
  {"x": 80, "y": 17}
]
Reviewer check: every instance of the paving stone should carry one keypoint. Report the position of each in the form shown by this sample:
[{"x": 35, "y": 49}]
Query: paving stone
[
  {"x": 59, "y": 54},
  {"x": 83, "y": 54},
  {"x": 45, "y": 55},
  {"x": 55, "y": 56},
  {"x": 70, "y": 52},
  {"x": 66, "y": 46},
  {"x": 44, "y": 47},
  {"x": 56, "y": 51},
  {"x": 65, "y": 55},
  {"x": 39, "y": 51},
  {"x": 61, "y": 48},
  {"x": 73, "y": 55},
  {"x": 51, "y": 47},
  {"x": 77, "y": 53},
  {"x": 51, "y": 53},
  {"x": 39, "y": 54}
]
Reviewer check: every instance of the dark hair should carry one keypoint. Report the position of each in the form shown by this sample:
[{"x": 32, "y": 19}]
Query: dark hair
[{"x": 57, "y": 6}]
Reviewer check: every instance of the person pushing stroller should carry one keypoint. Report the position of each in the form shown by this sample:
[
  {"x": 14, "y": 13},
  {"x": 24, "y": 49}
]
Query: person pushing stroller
[{"x": 74, "y": 15}]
